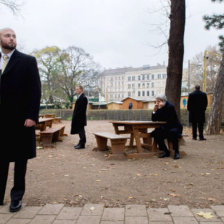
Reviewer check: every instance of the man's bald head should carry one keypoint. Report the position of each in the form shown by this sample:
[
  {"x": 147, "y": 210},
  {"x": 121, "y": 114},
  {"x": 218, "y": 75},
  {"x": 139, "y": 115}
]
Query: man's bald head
[
  {"x": 7, "y": 39},
  {"x": 5, "y": 30}
]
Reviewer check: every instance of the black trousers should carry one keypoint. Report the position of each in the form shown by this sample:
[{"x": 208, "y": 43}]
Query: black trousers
[
  {"x": 160, "y": 135},
  {"x": 82, "y": 136},
  {"x": 197, "y": 125},
  {"x": 18, "y": 189}
]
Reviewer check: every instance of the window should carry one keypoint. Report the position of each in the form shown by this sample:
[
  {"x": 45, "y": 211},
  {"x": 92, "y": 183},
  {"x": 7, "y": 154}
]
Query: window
[
  {"x": 159, "y": 76},
  {"x": 148, "y": 93},
  {"x": 148, "y": 76},
  {"x": 129, "y": 86},
  {"x": 152, "y": 84},
  {"x": 139, "y": 77},
  {"x": 139, "y": 85},
  {"x": 164, "y": 76},
  {"x": 129, "y": 78},
  {"x": 133, "y": 86},
  {"x": 129, "y": 93},
  {"x": 143, "y": 77},
  {"x": 148, "y": 85},
  {"x": 143, "y": 93},
  {"x": 139, "y": 93},
  {"x": 152, "y": 93},
  {"x": 143, "y": 85},
  {"x": 133, "y": 78},
  {"x": 152, "y": 76}
]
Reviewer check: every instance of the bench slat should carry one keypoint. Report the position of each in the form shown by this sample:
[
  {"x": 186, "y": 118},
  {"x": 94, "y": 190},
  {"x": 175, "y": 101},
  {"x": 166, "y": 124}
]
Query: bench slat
[
  {"x": 53, "y": 130},
  {"x": 109, "y": 135}
]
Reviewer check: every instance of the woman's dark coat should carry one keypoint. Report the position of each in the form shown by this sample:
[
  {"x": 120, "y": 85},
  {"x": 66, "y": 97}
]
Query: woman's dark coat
[
  {"x": 79, "y": 114},
  {"x": 20, "y": 93}
]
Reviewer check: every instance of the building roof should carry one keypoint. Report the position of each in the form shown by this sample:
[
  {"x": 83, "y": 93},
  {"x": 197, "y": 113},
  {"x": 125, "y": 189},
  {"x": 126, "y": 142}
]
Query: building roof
[
  {"x": 149, "y": 99},
  {"x": 116, "y": 102},
  {"x": 120, "y": 71}
]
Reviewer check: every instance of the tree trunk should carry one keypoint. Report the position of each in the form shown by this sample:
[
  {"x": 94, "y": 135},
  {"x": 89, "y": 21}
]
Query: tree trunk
[
  {"x": 176, "y": 53},
  {"x": 215, "y": 115}
]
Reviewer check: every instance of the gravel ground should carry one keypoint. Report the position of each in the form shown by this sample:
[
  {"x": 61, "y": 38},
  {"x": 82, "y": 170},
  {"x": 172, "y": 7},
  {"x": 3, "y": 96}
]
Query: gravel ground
[{"x": 75, "y": 177}]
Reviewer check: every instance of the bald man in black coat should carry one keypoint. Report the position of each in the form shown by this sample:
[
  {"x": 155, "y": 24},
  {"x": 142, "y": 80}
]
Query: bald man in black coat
[{"x": 20, "y": 92}]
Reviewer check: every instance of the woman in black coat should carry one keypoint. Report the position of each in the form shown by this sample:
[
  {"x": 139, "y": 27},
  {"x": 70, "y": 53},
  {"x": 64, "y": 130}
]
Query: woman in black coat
[{"x": 172, "y": 130}]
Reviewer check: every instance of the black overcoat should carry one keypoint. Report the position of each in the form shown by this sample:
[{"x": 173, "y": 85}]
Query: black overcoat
[
  {"x": 20, "y": 93},
  {"x": 168, "y": 113},
  {"x": 196, "y": 105},
  {"x": 79, "y": 114}
]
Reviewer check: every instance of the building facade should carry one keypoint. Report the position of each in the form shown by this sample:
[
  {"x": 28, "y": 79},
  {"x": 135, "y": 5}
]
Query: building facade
[{"x": 143, "y": 83}]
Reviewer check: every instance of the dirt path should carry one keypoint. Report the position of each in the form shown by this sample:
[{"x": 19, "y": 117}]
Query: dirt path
[{"x": 75, "y": 177}]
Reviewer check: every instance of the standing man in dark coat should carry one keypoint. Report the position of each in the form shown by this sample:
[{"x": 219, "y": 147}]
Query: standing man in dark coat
[
  {"x": 196, "y": 105},
  {"x": 172, "y": 130},
  {"x": 79, "y": 118},
  {"x": 20, "y": 93}
]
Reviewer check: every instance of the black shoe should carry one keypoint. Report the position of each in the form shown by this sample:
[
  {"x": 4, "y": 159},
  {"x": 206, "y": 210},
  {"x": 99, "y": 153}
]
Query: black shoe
[
  {"x": 80, "y": 147},
  {"x": 176, "y": 155},
  {"x": 202, "y": 139},
  {"x": 15, "y": 206},
  {"x": 164, "y": 154},
  {"x": 194, "y": 138},
  {"x": 76, "y": 145}
]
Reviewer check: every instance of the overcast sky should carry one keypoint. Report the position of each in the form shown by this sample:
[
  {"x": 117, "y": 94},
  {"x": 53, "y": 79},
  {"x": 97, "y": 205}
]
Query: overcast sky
[{"x": 117, "y": 33}]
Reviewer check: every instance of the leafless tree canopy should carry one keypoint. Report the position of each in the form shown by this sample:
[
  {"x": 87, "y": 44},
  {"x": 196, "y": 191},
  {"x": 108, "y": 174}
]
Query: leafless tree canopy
[{"x": 13, "y": 5}]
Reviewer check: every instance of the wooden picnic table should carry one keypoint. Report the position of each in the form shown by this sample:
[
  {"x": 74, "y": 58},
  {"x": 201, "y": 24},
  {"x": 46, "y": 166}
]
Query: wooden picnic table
[
  {"x": 47, "y": 115},
  {"x": 43, "y": 123},
  {"x": 137, "y": 130}
]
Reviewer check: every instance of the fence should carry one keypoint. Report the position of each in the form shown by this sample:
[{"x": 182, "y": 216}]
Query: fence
[{"x": 138, "y": 115}]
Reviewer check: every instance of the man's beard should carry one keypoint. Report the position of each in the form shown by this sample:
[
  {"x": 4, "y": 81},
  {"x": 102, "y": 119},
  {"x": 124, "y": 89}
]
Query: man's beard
[{"x": 8, "y": 47}]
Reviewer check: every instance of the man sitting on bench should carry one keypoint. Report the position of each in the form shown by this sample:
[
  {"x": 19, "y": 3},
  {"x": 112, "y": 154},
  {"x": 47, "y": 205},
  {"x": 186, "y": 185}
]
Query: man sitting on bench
[{"x": 172, "y": 130}]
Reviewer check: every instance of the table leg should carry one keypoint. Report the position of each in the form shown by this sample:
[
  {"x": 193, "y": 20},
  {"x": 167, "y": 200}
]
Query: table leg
[
  {"x": 137, "y": 139},
  {"x": 132, "y": 140}
]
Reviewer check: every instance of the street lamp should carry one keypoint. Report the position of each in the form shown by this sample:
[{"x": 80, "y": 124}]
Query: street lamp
[{"x": 204, "y": 74}]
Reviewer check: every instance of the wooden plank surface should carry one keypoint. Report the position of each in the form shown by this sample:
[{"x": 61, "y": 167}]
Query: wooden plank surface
[{"x": 110, "y": 135}]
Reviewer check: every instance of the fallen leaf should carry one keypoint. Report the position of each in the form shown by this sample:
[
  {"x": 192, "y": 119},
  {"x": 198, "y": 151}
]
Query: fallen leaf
[
  {"x": 92, "y": 208},
  {"x": 104, "y": 169},
  {"x": 206, "y": 215},
  {"x": 212, "y": 199},
  {"x": 174, "y": 195}
]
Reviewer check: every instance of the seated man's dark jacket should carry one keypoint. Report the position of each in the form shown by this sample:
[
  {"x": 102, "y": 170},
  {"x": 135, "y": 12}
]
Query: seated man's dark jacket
[{"x": 168, "y": 114}]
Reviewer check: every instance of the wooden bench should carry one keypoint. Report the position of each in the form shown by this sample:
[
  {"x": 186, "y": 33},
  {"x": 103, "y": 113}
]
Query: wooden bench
[
  {"x": 57, "y": 120},
  {"x": 117, "y": 144},
  {"x": 51, "y": 135}
]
